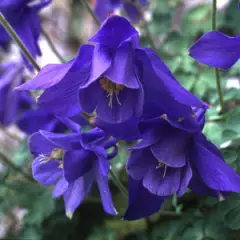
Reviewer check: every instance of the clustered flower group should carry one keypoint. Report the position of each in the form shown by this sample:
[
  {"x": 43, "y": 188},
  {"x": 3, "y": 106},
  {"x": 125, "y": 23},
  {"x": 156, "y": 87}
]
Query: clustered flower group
[{"x": 131, "y": 95}]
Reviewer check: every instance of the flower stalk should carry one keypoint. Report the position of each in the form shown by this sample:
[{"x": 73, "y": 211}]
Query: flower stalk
[
  {"x": 217, "y": 71},
  {"x": 119, "y": 184},
  {"x": 52, "y": 46},
  {"x": 89, "y": 9},
  {"x": 15, "y": 167},
  {"x": 18, "y": 41}
]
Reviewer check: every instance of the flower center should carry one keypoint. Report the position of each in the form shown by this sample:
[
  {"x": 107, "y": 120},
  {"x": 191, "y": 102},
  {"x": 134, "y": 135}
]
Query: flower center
[
  {"x": 56, "y": 154},
  {"x": 111, "y": 88}
]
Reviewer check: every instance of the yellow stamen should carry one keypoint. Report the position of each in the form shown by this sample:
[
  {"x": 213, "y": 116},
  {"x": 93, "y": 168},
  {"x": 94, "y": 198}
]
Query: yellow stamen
[
  {"x": 161, "y": 164},
  {"x": 164, "y": 116},
  {"x": 57, "y": 154},
  {"x": 60, "y": 165},
  {"x": 111, "y": 88}
]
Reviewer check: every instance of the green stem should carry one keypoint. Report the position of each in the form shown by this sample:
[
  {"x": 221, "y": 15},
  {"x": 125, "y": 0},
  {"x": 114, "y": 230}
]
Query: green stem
[
  {"x": 147, "y": 30},
  {"x": 217, "y": 72},
  {"x": 119, "y": 184},
  {"x": 145, "y": 24},
  {"x": 85, "y": 3},
  {"x": 52, "y": 46},
  {"x": 18, "y": 41},
  {"x": 14, "y": 167}
]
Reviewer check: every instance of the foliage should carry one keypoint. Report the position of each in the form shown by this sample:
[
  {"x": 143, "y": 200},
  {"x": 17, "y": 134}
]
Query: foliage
[{"x": 188, "y": 218}]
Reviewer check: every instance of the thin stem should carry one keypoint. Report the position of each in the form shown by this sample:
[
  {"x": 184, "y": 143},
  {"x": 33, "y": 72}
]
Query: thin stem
[
  {"x": 214, "y": 14},
  {"x": 52, "y": 46},
  {"x": 217, "y": 72},
  {"x": 219, "y": 90},
  {"x": 145, "y": 24},
  {"x": 119, "y": 184},
  {"x": 18, "y": 41},
  {"x": 14, "y": 167},
  {"x": 147, "y": 30},
  {"x": 85, "y": 3}
]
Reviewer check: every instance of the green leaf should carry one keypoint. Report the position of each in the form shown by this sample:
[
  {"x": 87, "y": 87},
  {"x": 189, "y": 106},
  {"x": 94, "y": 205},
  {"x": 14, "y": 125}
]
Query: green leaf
[
  {"x": 232, "y": 218},
  {"x": 194, "y": 232},
  {"x": 39, "y": 206}
]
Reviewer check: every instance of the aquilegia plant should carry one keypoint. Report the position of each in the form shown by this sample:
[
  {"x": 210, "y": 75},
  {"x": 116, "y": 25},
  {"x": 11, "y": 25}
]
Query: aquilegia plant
[{"x": 121, "y": 91}]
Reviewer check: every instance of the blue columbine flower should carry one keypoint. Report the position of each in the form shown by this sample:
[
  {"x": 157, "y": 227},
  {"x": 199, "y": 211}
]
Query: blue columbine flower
[
  {"x": 20, "y": 107},
  {"x": 169, "y": 160},
  {"x": 95, "y": 81},
  {"x": 216, "y": 50},
  {"x": 10, "y": 100},
  {"x": 72, "y": 162},
  {"x": 103, "y": 8},
  {"x": 25, "y": 20}
]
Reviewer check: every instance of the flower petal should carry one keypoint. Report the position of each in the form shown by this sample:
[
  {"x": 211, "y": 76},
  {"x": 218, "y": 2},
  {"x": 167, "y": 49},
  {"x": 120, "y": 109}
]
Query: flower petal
[
  {"x": 76, "y": 163},
  {"x": 77, "y": 191},
  {"x": 62, "y": 98},
  {"x": 171, "y": 149},
  {"x": 132, "y": 11},
  {"x": 62, "y": 140},
  {"x": 89, "y": 97},
  {"x": 70, "y": 124},
  {"x": 39, "y": 144},
  {"x": 127, "y": 130},
  {"x": 102, "y": 8},
  {"x": 101, "y": 61},
  {"x": 216, "y": 49},
  {"x": 46, "y": 173},
  {"x": 93, "y": 136},
  {"x": 166, "y": 80},
  {"x": 49, "y": 76},
  {"x": 124, "y": 75},
  {"x": 114, "y": 31},
  {"x": 199, "y": 187},
  {"x": 52, "y": 74},
  {"x": 215, "y": 173},
  {"x": 161, "y": 181},
  {"x": 60, "y": 188},
  {"x": 102, "y": 182},
  {"x": 128, "y": 105},
  {"x": 186, "y": 175},
  {"x": 139, "y": 162},
  {"x": 28, "y": 124},
  {"x": 152, "y": 131},
  {"x": 141, "y": 202}
]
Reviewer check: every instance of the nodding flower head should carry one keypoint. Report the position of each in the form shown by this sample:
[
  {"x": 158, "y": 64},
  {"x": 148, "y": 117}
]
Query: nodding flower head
[{"x": 72, "y": 162}]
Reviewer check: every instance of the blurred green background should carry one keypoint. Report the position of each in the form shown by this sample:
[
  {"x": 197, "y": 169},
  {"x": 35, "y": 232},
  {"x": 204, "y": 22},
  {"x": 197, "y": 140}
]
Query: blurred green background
[{"x": 27, "y": 210}]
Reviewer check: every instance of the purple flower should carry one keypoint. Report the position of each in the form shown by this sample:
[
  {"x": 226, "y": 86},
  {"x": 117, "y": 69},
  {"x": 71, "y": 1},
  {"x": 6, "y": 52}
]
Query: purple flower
[
  {"x": 103, "y": 8},
  {"x": 25, "y": 20},
  {"x": 216, "y": 50},
  {"x": 142, "y": 202},
  {"x": 72, "y": 162},
  {"x": 20, "y": 107},
  {"x": 34, "y": 118},
  {"x": 169, "y": 160},
  {"x": 10, "y": 101},
  {"x": 94, "y": 81}
]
